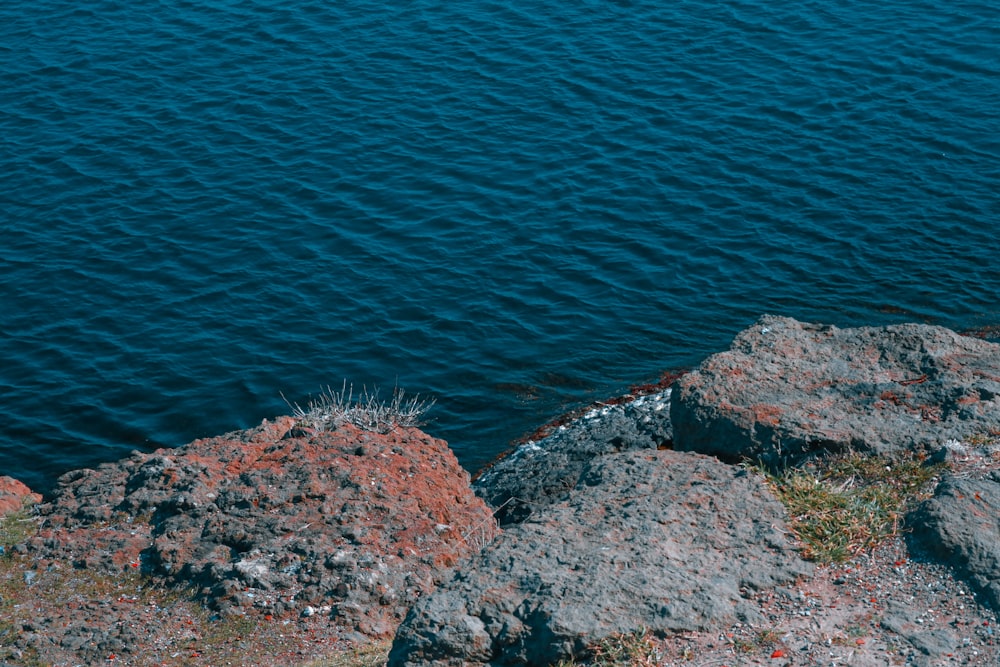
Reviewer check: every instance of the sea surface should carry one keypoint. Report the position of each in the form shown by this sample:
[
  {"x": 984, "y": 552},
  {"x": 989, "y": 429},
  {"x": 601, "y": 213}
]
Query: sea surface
[{"x": 513, "y": 208}]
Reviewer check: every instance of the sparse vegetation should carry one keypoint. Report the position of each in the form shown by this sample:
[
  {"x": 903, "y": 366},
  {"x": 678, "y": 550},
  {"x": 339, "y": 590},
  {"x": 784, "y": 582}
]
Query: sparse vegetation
[
  {"x": 16, "y": 527},
  {"x": 371, "y": 655},
  {"x": 634, "y": 649},
  {"x": 990, "y": 440},
  {"x": 757, "y": 641},
  {"x": 333, "y": 408},
  {"x": 848, "y": 503}
]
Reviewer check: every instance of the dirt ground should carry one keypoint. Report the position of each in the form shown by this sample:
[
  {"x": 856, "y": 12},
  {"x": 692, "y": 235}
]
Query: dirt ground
[{"x": 883, "y": 608}]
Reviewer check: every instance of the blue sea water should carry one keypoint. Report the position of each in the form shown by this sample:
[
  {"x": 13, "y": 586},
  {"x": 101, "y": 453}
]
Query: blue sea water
[{"x": 514, "y": 208}]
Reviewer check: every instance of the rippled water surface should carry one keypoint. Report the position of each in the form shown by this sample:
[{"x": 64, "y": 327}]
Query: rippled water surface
[{"x": 512, "y": 207}]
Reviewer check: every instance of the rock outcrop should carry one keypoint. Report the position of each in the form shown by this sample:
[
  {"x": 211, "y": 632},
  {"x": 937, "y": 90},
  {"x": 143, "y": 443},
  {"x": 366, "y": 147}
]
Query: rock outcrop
[
  {"x": 276, "y": 521},
  {"x": 537, "y": 474},
  {"x": 960, "y": 526},
  {"x": 647, "y": 538},
  {"x": 786, "y": 389},
  {"x": 607, "y": 532}
]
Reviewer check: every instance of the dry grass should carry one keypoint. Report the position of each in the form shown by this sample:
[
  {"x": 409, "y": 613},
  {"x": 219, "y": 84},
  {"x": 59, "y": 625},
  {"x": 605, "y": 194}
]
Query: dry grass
[
  {"x": 17, "y": 527},
  {"x": 756, "y": 642},
  {"x": 372, "y": 655},
  {"x": 987, "y": 441},
  {"x": 634, "y": 649},
  {"x": 366, "y": 411},
  {"x": 14, "y": 529},
  {"x": 846, "y": 504}
]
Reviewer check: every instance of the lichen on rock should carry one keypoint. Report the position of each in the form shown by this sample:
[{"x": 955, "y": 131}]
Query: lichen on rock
[
  {"x": 265, "y": 523},
  {"x": 786, "y": 389}
]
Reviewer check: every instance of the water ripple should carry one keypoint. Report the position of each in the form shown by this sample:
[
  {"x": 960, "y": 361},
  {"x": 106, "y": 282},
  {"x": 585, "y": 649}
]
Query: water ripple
[{"x": 513, "y": 209}]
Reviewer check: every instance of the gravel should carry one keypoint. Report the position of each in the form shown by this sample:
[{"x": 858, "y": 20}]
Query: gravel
[{"x": 883, "y": 608}]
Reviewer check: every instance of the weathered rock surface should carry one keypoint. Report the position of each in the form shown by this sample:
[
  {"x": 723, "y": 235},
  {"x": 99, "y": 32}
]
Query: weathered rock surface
[
  {"x": 349, "y": 524},
  {"x": 655, "y": 539},
  {"x": 960, "y": 526},
  {"x": 538, "y": 474},
  {"x": 13, "y": 495},
  {"x": 787, "y": 388}
]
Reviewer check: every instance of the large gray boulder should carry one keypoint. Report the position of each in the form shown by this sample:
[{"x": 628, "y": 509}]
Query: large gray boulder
[
  {"x": 652, "y": 538},
  {"x": 787, "y": 388},
  {"x": 960, "y": 526},
  {"x": 538, "y": 474}
]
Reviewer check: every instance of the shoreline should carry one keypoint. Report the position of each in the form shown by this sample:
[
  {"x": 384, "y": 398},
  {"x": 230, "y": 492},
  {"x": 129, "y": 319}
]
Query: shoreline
[{"x": 285, "y": 543}]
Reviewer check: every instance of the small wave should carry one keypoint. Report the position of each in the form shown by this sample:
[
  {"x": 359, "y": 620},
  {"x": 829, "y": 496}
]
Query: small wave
[{"x": 209, "y": 205}]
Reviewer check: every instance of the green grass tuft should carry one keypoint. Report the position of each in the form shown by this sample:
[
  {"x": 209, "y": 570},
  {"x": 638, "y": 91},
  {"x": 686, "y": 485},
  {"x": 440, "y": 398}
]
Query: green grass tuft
[{"x": 849, "y": 503}]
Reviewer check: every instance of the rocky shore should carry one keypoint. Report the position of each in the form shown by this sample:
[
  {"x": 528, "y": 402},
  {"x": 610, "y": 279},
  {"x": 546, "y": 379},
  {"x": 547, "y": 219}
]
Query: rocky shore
[{"x": 657, "y": 522}]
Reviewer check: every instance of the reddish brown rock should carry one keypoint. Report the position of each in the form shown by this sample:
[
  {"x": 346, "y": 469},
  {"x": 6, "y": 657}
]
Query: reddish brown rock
[
  {"x": 14, "y": 494},
  {"x": 275, "y": 522}
]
